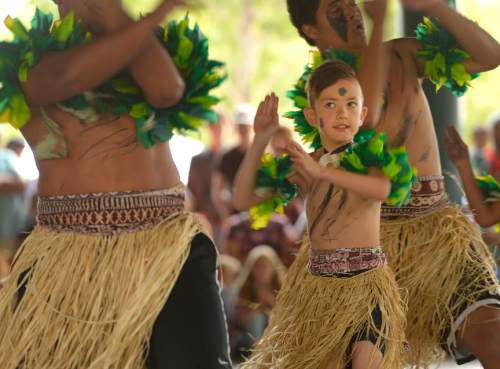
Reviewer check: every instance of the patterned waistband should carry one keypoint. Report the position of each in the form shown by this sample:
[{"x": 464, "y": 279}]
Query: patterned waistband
[
  {"x": 338, "y": 262},
  {"x": 427, "y": 195},
  {"x": 109, "y": 213}
]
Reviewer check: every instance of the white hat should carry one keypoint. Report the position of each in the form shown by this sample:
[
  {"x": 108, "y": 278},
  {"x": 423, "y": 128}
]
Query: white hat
[{"x": 244, "y": 114}]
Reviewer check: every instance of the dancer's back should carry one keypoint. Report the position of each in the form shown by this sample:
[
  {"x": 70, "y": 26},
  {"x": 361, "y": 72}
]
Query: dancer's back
[
  {"x": 103, "y": 156},
  {"x": 406, "y": 117}
]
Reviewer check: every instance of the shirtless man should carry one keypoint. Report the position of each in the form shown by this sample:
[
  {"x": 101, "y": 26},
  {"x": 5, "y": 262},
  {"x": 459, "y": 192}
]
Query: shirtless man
[
  {"x": 116, "y": 274},
  {"x": 429, "y": 236}
]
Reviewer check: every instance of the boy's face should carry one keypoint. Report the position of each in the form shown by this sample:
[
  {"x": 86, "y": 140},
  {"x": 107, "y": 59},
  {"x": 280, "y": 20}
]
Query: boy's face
[
  {"x": 338, "y": 112},
  {"x": 339, "y": 24}
]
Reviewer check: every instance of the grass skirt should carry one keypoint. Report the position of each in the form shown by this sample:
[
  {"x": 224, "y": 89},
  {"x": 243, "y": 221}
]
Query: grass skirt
[
  {"x": 315, "y": 318},
  {"x": 90, "y": 301},
  {"x": 443, "y": 264}
]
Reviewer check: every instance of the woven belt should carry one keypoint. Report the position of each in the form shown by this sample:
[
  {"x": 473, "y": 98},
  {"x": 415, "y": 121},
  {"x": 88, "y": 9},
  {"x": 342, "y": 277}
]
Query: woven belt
[
  {"x": 344, "y": 261},
  {"x": 109, "y": 213},
  {"x": 427, "y": 195}
]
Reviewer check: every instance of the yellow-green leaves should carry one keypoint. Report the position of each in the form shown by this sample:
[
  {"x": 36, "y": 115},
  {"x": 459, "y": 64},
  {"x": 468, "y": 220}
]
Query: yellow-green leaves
[
  {"x": 17, "y": 28},
  {"x": 139, "y": 110},
  {"x": 16, "y": 111},
  {"x": 126, "y": 85},
  {"x": 261, "y": 214},
  {"x": 62, "y": 30},
  {"x": 459, "y": 74},
  {"x": 191, "y": 120},
  {"x": 185, "y": 48}
]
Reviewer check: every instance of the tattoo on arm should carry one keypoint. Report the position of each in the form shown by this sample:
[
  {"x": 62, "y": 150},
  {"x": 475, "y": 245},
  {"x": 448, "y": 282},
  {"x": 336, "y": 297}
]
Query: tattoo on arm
[
  {"x": 405, "y": 127},
  {"x": 401, "y": 64},
  {"x": 425, "y": 155}
]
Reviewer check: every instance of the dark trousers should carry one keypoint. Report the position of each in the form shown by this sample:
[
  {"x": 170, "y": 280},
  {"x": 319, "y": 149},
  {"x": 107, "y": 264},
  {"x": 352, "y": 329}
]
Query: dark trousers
[{"x": 190, "y": 332}]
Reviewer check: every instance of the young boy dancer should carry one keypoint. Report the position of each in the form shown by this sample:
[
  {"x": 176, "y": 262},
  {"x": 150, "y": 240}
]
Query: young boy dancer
[
  {"x": 343, "y": 309},
  {"x": 437, "y": 254}
]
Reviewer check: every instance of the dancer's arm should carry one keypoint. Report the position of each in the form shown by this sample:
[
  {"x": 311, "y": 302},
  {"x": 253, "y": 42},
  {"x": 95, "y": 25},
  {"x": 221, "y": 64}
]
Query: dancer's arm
[
  {"x": 266, "y": 124},
  {"x": 153, "y": 68},
  {"x": 372, "y": 185},
  {"x": 373, "y": 73},
  {"x": 84, "y": 67},
  {"x": 485, "y": 213},
  {"x": 483, "y": 48}
]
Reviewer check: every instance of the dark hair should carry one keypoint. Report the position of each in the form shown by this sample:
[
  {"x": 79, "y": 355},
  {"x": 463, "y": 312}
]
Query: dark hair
[
  {"x": 303, "y": 12},
  {"x": 327, "y": 74}
]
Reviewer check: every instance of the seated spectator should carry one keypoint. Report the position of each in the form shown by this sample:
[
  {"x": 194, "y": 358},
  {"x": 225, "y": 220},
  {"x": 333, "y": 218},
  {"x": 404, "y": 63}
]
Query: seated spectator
[
  {"x": 254, "y": 293},
  {"x": 495, "y": 162},
  {"x": 12, "y": 206},
  {"x": 238, "y": 238},
  {"x": 229, "y": 270},
  {"x": 225, "y": 171},
  {"x": 200, "y": 175},
  {"x": 481, "y": 154}
]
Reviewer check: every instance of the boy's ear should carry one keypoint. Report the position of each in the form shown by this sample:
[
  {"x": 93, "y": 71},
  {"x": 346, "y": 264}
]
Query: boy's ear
[
  {"x": 363, "y": 114},
  {"x": 310, "y": 116},
  {"x": 310, "y": 31}
]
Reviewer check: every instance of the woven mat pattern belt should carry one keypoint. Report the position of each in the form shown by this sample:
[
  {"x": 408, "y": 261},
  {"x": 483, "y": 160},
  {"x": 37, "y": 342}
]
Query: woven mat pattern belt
[
  {"x": 427, "y": 195},
  {"x": 109, "y": 213},
  {"x": 338, "y": 261}
]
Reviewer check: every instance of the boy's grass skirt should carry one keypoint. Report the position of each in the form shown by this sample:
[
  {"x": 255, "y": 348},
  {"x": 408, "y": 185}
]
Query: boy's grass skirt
[
  {"x": 315, "y": 319},
  {"x": 441, "y": 261},
  {"x": 90, "y": 300}
]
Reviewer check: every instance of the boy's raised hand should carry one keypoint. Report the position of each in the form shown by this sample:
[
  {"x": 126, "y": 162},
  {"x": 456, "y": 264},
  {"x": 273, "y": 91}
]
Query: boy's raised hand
[
  {"x": 266, "y": 121},
  {"x": 376, "y": 9},
  {"x": 304, "y": 164}
]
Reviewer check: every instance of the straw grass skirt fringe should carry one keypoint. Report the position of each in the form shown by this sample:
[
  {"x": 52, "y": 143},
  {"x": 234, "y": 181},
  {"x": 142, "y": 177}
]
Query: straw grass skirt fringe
[
  {"x": 445, "y": 267},
  {"x": 315, "y": 319},
  {"x": 90, "y": 301}
]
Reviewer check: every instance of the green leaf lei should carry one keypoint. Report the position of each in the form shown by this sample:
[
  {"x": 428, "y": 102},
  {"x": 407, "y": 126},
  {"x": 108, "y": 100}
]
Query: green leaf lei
[
  {"x": 443, "y": 57},
  {"x": 187, "y": 46},
  {"x": 18, "y": 56},
  {"x": 272, "y": 178},
  {"x": 489, "y": 187},
  {"x": 370, "y": 150}
]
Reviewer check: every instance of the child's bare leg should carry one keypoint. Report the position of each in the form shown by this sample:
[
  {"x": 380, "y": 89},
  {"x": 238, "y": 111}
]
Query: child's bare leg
[
  {"x": 365, "y": 355},
  {"x": 482, "y": 336}
]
